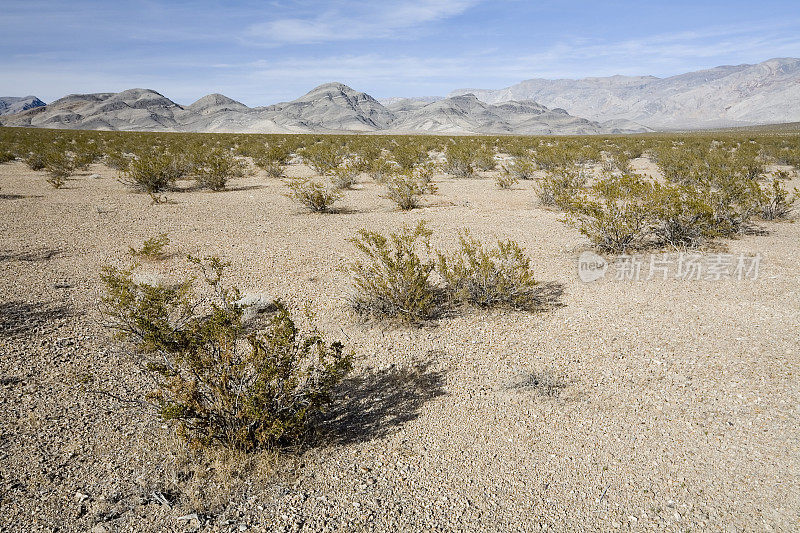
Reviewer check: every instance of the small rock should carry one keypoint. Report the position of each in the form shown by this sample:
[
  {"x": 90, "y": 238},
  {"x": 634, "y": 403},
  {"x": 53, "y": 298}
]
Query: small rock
[{"x": 255, "y": 304}]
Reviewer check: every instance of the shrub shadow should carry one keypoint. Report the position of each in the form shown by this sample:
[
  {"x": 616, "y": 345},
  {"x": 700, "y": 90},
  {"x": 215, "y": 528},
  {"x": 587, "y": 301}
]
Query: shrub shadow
[
  {"x": 547, "y": 296},
  {"x": 374, "y": 403},
  {"x": 33, "y": 256},
  {"x": 18, "y": 196},
  {"x": 22, "y": 319},
  {"x": 544, "y": 382}
]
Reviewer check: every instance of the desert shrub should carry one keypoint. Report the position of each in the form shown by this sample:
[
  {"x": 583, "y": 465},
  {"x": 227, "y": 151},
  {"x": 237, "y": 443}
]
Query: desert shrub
[
  {"x": 154, "y": 172},
  {"x": 394, "y": 279},
  {"x": 506, "y": 179},
  {"x": 379, "y": 169},
  {"x": 500, "y": 277},
  {"x": 273, "y": 160},
  {"x": 406, "y": 187},
  {"x": 35, "y": 160},
  {"x": 218, "y": 384},
  {"x": 343, "y": 176},
  {"x": 272, "y": 168},
  {"x": 776, "y": 202},
  {"x": 408, "y": 154},
  {"x": 59, "y": 166},
  {"x": 85, "y": 157},
  {"x": 734, "y": 201},
  {"x": 680, "y": 215},
  {"x": 213, "y": 169},
  {"x": 152, "y": 248},
  {"x": 483, "y": 157},
  {"x": 459, "y": 160},
  {"x": 613, "y": 213},
  {"x": 117, "y": 160},
  {"x": 558, "y": 155},
  {"x": 6, "y": 156},
  {"x": 558, "y": 185},
  {"x": 522, "y": 168},
  {"x": 323, "y": 156},
  {"x": 313, "y": 194}
]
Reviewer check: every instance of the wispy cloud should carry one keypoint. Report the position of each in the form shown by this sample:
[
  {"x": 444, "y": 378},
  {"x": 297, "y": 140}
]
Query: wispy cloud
[{"x": 356, "y": 21}]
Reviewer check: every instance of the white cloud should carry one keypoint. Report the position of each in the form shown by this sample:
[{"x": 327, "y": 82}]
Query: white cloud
[{"x": 355, "y": 21}]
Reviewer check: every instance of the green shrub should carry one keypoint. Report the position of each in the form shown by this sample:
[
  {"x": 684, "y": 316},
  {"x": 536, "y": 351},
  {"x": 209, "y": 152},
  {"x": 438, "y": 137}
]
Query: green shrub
[
  {"x": 117, "y": 160},
  {"x": 394, "y": 280},
  {"x": 313, "y": 194},
  {"x": 323, "y": 156},
  {"x": 408, "y": 154},
  {"x": 379, "y": 169},
  {"x": 85, "y": 157},
  {"x": 406, "y": 187},
  {"x": 5, "y": 156},
  {"x": 506, "y": 179},
  {"x": 775, "y": 201},
  {"x": 501, "y": 277},
  {"x": 59, "y": 166},
  {"x": 558, "y": 185},
  {"x": 273, "y": 160},
  {"x": 680, "y": 215},
  {"x": 483, "y": 157},
  {"x": 213, "y": 169},
  {"x": 522, "y": 168},
  {"x": 734, "y": 202},
  {"x": 459, "y": 160},
  {"x": 343, "y": 176},
  {"x": 154, "y": 172},
  {"x": 614, "y": 213},
  {"x": 152, "y": 248},
  {"x": 35, "y": 160},
  {"x": 219, "y": 384}
]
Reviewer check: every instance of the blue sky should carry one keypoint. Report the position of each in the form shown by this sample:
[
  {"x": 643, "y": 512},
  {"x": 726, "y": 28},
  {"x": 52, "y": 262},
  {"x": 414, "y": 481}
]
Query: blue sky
[{"x": 264, "y": 52}]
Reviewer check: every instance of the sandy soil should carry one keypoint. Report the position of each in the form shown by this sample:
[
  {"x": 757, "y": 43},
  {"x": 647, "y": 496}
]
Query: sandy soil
[{"x": 669, "y": 405}]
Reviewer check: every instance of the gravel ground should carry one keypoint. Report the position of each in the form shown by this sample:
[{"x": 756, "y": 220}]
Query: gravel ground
[{"x": 653, "y": 405}]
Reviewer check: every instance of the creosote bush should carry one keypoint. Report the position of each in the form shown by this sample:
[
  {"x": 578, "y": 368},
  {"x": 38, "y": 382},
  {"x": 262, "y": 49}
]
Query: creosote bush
[
  {"x": 343, "y": 176},
  {"x": 59, "y": 165},
  {"x": 212, "y": 170},
  {"x": 323, "y": 156},
  {"x": 680, "y": 215},
  {"x": 406, "y": 187},
  {"x": 460, "y": 160},
  {"x": 152, "y": 248},
  {"x": 313, "y": 194},
  {"x": 506, "y": 179},
  {"x": 614, "y": 213},
  {"x": 153, "y": 172},
  {"x": 559, "y": 184},
  {"x": 776, "y": 202},
  {"x": 500, "y": 277},
  {"x": 35, "y": 160},
  {"x": 219, "y": 383},
  {"x": 521, "y": 168},
  {"x": 394, "y": 280},
  {"x": 401, "y": 277}
]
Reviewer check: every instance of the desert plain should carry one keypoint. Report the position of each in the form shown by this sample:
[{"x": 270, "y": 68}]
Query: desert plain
[{"x": 659, "y": 404}]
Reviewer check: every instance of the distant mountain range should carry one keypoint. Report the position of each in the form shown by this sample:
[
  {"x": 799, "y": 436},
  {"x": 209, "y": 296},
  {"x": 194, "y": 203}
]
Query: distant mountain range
[
  {"x": 727, "y": 96},
  {"x": 330, "y": 108},
  {"x": 16, "y": 104},
  {"x": 742, "y": 95}
]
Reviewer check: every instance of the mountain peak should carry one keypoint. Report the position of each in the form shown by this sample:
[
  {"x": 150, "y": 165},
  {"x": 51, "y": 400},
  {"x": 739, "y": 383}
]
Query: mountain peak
[
  {"x": 17, "y": 104},
  {"x": 215, "y": 101}
]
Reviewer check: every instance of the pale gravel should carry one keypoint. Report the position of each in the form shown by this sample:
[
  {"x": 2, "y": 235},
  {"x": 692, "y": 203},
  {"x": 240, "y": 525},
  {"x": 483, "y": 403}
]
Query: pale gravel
[{"x": 660, "y": 405}]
